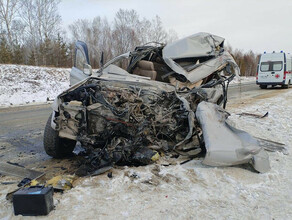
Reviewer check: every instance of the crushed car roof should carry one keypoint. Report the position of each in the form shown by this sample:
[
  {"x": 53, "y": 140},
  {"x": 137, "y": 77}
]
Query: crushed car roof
[{"x": 196, "y": 45}]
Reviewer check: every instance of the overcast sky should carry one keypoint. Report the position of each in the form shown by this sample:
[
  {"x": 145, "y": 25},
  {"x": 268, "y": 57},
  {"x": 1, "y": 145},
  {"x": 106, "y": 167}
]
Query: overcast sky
[{"x": 259, "y": 25}]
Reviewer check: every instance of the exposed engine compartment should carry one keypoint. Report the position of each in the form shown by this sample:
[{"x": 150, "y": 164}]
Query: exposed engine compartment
[{"x": 122, "y": 121}]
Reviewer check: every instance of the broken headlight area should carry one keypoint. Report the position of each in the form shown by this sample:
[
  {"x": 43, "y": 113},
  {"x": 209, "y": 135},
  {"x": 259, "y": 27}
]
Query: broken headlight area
[{"x": 118, "y": 122}]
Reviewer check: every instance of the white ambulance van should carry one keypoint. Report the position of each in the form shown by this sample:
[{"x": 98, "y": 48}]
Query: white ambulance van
[{"x": 274, "y": 69}]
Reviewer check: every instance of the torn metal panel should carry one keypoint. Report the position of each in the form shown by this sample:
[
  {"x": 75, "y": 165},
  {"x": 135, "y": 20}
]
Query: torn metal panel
[
  {"x": 196, "y": 45},
  {"x": 226, "y": 145},
  {"x": 254, "y": 115},
  {"x": 272, "y": 146},
  {"x": 207, "y": 48},
  {"x": 204, "y": 69}
]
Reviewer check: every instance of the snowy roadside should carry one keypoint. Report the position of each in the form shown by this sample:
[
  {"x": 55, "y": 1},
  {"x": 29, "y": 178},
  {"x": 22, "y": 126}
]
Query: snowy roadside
[
  {"x": 21, "y": 84},
  {"x": 192, "y": 190},
  {"x": 243, "y": 79}
]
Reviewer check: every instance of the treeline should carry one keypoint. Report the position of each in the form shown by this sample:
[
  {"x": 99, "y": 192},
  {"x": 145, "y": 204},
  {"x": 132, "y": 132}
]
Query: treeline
[
  {"x": 31, "y": 34},
  {"x": 247, "y": 61},
  {"x": 126, "y": 32}
]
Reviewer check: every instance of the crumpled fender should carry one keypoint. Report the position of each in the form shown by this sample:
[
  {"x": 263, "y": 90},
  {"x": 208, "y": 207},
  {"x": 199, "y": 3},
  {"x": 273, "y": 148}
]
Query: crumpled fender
[{"x": 226, "y": 145}]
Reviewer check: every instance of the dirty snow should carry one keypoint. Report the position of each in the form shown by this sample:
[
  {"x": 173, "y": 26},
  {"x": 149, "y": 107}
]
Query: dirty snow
[
  {"x": 184, "y": 191},
  {"x": 192, "y": 190},
  {"x": 21, "y": 84},
  {"x": 243, "y": 79}
]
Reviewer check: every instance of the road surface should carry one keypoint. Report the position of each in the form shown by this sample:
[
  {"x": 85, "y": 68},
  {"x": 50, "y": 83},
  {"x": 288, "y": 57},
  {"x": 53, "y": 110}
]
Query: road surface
[{"x": 21, "y": 128}]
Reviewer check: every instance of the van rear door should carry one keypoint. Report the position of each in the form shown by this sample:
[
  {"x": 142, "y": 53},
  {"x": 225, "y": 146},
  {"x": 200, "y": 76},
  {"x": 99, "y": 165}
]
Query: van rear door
[{"x": 271, "y": 69}]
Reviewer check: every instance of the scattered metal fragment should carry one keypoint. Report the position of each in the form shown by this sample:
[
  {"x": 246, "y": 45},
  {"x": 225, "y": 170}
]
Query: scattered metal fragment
[
  {"x": 24, "y": 181},
  {"x": 272, "y": 146},
  {"x": 101, "y": 171},
  {"x": 110, "y": 175},
  {"x": 18, "y": 171},
  {"x": 7, "y": 183},
  {"x": 16, "y": 164},
  {"x": 254, "y": 115}
]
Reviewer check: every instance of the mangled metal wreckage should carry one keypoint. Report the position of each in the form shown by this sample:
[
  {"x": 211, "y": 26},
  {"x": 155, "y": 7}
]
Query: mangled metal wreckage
[{"x": 168, "y": 101}]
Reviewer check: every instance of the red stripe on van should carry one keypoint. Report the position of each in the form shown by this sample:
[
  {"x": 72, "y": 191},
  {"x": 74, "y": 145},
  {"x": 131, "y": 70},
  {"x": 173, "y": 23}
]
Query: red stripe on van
[{"x": 286, "y": 72}]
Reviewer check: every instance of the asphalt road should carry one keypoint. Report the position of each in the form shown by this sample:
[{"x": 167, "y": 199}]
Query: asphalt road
[{"x": 21, "y": 128}]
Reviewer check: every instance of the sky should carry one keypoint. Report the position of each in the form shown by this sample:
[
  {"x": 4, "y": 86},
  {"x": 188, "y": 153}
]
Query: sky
[{"x": 258, "y": 25}]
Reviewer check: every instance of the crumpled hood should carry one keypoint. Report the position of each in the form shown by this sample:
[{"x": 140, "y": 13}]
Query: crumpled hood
[
  {"x": 199, "y": 45},
  {"x": 196, "y": 45}
]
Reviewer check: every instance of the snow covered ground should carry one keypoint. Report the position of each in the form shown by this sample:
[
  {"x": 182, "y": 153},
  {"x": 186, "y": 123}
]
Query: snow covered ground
[
  {"x": 195, "y": 191},
  {"x": 192, "y": 190},
  {"x": 243, "y": 79},
  {"x": 189, "y": 191},
  {"x": 21, "y": 84}
]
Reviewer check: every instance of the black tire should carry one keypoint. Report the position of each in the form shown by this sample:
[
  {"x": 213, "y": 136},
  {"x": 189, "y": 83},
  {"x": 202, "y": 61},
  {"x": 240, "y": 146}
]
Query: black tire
[
  {"x": 263, "y": 86},
  {"x": 285, "y": 86},
  {"x": 55, "y": 146}
]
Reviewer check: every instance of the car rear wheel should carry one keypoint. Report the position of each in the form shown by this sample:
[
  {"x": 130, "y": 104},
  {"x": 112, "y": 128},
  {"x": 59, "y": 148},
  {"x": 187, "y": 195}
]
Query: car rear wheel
[
  {"x": 54, "y": 145},
  {"x": 263, "y": 86}
]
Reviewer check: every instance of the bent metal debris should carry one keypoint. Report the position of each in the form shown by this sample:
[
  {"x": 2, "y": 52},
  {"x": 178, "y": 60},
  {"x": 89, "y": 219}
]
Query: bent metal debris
[{"x": 169, "y": 100}]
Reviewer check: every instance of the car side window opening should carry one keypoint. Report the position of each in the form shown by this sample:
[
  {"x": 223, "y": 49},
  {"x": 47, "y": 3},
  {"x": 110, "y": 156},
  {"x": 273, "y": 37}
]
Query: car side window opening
[
  {"x": 80, "y": 59},
  {"x": 271, "y": 66}
]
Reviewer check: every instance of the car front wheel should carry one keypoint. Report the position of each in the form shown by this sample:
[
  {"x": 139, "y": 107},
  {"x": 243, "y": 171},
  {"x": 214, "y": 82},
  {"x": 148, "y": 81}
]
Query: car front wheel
[{"x": 54, "y": 145}]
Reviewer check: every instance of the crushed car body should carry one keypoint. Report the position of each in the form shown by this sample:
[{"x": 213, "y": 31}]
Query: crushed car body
[{"x": 166, "y": 101}]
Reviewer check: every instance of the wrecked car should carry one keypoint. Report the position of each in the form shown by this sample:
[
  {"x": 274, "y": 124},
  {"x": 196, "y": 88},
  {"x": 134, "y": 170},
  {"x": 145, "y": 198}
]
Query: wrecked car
[{"x": 169, "y": 100}]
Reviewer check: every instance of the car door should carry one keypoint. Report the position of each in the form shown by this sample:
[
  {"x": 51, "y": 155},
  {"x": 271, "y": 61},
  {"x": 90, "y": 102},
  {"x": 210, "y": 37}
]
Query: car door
[{"x": 81, "y": 65}]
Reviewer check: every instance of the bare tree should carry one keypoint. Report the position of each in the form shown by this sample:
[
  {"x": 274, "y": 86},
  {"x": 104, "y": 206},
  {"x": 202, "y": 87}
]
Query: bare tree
[
  {"x": 126, "y": 31},
  {"x": 157, "y": 31},
  {"x": 42, "y": 22},
  {"x": 97, "y": 34},
  {"x": 247, "y": 62},
  {"x": 171, "y": 36},
  {"x": 29, "y": 19},
  {"x": 8, "y": 13}
]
